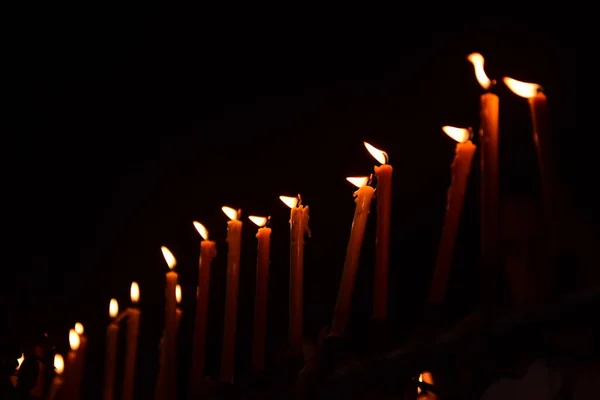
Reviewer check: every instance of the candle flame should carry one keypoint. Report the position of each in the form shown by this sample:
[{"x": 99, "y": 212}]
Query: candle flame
[
  {"x": 380, "y": 155},
  {"x": 289, "y": 201},
  {"x": 59, "y": 363},
  {"x": 134, "y": 292},
  {"x": 358, "y": 181},
  {"x": 169, "y": 257},
  {"x": 477, "y": 60},
  {"x": 420, "y": 380},
  {"x": 20, "y": 360},
  {"x": 259, "y": 221},
  {"x": 79, "y": 328},
  {"x": 230, "y": 212},
  {"x": 178, "y": 293},
  {"x": 461, "y": 135},
  {"x": 113, "y": 308},
  {"x": 425, "y": 377},
  {"x": 523, "y": 89},
  {"x": 201, "y": 230},
  {"x": 74, "y": 341}
]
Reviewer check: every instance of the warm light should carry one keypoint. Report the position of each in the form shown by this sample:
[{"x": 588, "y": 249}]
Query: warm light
[
  {"x": 358, "y": 181},
  {"x": 79, "y": 328},
  {"x": 425, "y": 377},
  {"x": 259, "y": 221},
  {"x": 291, "y": 202},
  {"x": 461, "y": 135},
  {"x": 20, "y": 360},
  {"x": 420, "y": 380},
  {"x": 523, "y": 89},
  {"x": 380, "y": 156},
  {"x": 478, "y": 61},
  {"x": 59, "y": 363},
  {"x": 113, "y": 308},
  {"x": 134, "y": 292},
  {"x": 74, "y": 339},
  {"x": 201, "y": 230},
  {"x": 169, "y": 257},
  {"x": 230, "y": 212},
  {"x": 178, "y": 293}
]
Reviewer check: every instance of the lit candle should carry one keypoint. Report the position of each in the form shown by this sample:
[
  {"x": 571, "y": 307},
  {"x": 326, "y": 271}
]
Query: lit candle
[
  {"x": 341, "y": 313},
  {"x": 79, "y": 364},
  {"x": 207, "y": 252},
  {"x": 70, "y": 366},
  {"x": 133, "y": 330},
  {"x": 262, "y": 292},
  {"x": 427, "y": 378},
  {"x": 541, "y": 136},
  {"x": 170, "y": 336},
  {"x": 488, "y": 136},
  {"x": 57, "y": 381},
  {"x": 461, "y": 168},
  {"x": 298, "y": 229},
  {"x": 112, "y": 335},
  {"x": 234, "y": 241},
  {"x": 159, "y": 393},
  {"x": 382, "y": 252},
  {"x": 14, "y": 377}
]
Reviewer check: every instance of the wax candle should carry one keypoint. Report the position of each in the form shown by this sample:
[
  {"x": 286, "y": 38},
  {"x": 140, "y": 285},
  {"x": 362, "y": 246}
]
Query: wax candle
[
  {"x": 57, "y": 381},
  {"x": 70, "y": 367},
  {"x": 160, "y": 393},
  {"x": 79, "y": 364},
  {"x": 341, "y": 313},
  {"x": 298, "y": 229},
  {"x": 541, "y": 137},
  {"x": 133, "y": 330},
  {"x": 234, "y": 241},
  {"x": 461, "y": 168},
  {"x": 207, "y": 252},
  {"x": 488, "y": 136},
  {"x": 262, "y": 292},
  {"x": 384, "y": 210},
  {"x": 169, "y": 346},
  {"x": 110, "y": 366}
]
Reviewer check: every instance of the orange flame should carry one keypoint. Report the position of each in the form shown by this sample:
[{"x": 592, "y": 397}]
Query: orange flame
[
  {"x": 79, "y": 328},
  {"x": 230, "y": 212},
  {"x": 169, "y": 257},
  {"x": 74, "y": 340},
  {"x": 523, "y": 89},
  {"x": 358, "y": 181},
  {"x": 380, "y": 155},
  {"x": 477, "y": 60},
  {"x": 59, "y": 363},
  {"x": 201, "y": 230},
  {"x": 461, "y": 135},
  {"x": 113, "y": 308},
  {"x": 134, "y": 292},
  {"x": 289, "y": 201},
  {"x": 259, "y": 221},
  {"x": 20, "y": 360},
  {"x": 178, "y": 293}
]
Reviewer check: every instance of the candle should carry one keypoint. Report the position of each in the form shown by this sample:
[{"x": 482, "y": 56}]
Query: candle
[
  {"x": 70, "y": 367},
  {"x": 57, "y": 381},
  {"x": 234, "y": 240},
  {"x": 298, "y": 228},
  {"x": 427, "y": 378},
  {"x": 488, "y": 136},
  {"x": 133, "y": 330},
  {"x": 541, "y": 137},
  {"x": 160, "y": 381},
  {"x": 112, "y": 334},
  {"x": 170, "y": 336},
  {"x": 341, "y": 313},
  {"x": 461, "y": 168},
  {"x": 14, "y": 377},
  {"x": 79, "y": 364},
  {"x": 384, "y": 211},
  {"x": 262, "y": 292},
  {"x": 207, "y": 252}
]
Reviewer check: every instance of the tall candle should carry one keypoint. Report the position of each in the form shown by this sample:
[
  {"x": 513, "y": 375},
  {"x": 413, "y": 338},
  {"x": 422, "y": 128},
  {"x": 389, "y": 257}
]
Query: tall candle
[
  {"x": 79, "y": 361},
  {"x": 234, "y": 241},
  {"x": 488, "y": 135},
  {"x": 57, "y": 381},
  {"x": 133, "y": 330},
  {"x": 70, "y": 367},
  {"x": 262, "y": 292},
  {"x": 298, "y": 229},
  {"x": 461, "y": 168},
  {"x": 160, "y": 393},
  {"x": 169, "y": 346},
  {"x": 110, "y": 366},
  {"x": 384, "y": 211},
  {"x": 541, "y": 137},
  {"x": 341, "y": 313},
  {"x": 207, "y": 252}
]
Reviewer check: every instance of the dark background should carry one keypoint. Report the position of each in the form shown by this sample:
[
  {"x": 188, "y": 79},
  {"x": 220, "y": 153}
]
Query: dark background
[{"x": 125, "y": 125}]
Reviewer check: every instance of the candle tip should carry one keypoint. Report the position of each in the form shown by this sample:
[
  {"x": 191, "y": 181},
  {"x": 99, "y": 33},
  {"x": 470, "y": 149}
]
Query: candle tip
[
  {"x": 259, "y": 221},
  {"x": 169, "y": 257},
  {"x": 379, "y": 155},
  {"x": 201, "y": 230},
  {"x": 178, "y": 293},
  {"x": 523, "y": 89},
  {"x": 478, "y": 61},
  {"x": 59, "y": 363},
  {"x": 461, "y": 135},
  {"x": 231, "y": 213},
  {"x": 113, "y": 308},
  {"x": 134, "y": 292},
  {"x": 289, "y": 201},
  {"x": 79, "y": 328},
  {"x": 358, "y": 181},
  {"x": 74, "y": 340}
]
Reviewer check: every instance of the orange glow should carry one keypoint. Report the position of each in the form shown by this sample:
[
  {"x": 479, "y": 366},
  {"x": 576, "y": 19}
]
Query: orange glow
[
  {"x": 259, "y": 221},
  {"x": 20, "y": 360},
  {"x": 79, "y": 328},
  {"x": 230, "y": 212},
  {"x": 169, "y": 257},
  {"x": 291, "y": 202},
  {"x": 379, "y": 155},
  {"x": 134, "y": 292},
  {"x": 201, "y": 230},
  {"x": 178, "y": 293},
  {"x": 425, "y": 377},
  {"x": 477, "y": 60},
  {"x": 420, "y": 380},
  {"x": 74, "y": 340},
  {"x": 461, "y": 135},
  {"x": 113, "y": 308},
  {"x": 358, "y": 181},
  {"x": 523, "y": 89},
  {"x": 59, "y": 363}
]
